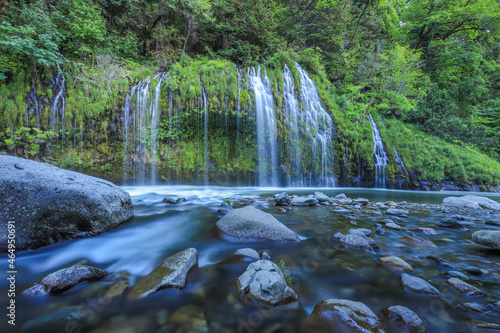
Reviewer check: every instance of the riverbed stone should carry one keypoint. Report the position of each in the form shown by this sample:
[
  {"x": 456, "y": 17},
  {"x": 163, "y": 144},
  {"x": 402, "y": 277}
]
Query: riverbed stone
[
  {"x": 57, "y": 321},
  {"x": 304, "y": 202},
  {"x": 170, "y": 273},
  {"x": 451, "y": 223},
  {"x": 428, "y": 231},
  {"x": 490, "y": 238},
  {"x": 402, "y": 319},
  {"x": 264, "y": 282},
  {"x": 65, "y": 279},
  {"x": 483, "y": 202},
  {"x": 396, "y": 264},
  {"x": 457, "y": 274},
  {"x": 49, "y": 204},
  {"x": 355, "y": 242},
  {"x": 463, "y": 287},
  {"x": 397, "y": 212},
  {"x": 340, "y": 210},
  {"x": 248, "y": 254},
  {"x": 471, "y": 307},
  {"x": 340, "y": 196},
  {"x": 419, "y": 242},
  {"x": 250, "y": 223},
  {"x": 393, "y": 225},
  {"x": 362, "y": 201},
  {"x": 340, "y": 315},
  {"x": 321, "y": 197},
  {"x": 282, "y": 199},
  {"x": 356, "y": 232},
  {"x": 418, "y": 286}
]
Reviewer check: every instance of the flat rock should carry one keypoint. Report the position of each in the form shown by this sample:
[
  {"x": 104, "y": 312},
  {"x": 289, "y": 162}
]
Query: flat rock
[
  {"x": 418, "y": 286},
  {"x": 248, "y": 254},
  {"x": 490, "y": 238},
  {"x": 397, "y": 212},
  {"x": 355, "y": 242},
  {"x": 393, "y": 226},
  {"x": 356, "y": 232},
  {"x": 65, "y": 279},
  {"x": 419, "y": 242},
  {"x": 321, "y": 197},
  {"x": 49, "y": 204},
  {"x": 249, "y": 223},
  {"x": 170, "y": 273},
  {"x": 304, "y": 202},
  {"x": 402, "y": 319},
  {"x": 428, "y": 231},
  {"x": 263, "y": 281},
  {"x": 395, "y": 264},
  {"x": 340, "y": 315},
  {"x": 463, "y": 287},
  {"x": 282, "y": 199},
  {"x": 339, "y": 210}
]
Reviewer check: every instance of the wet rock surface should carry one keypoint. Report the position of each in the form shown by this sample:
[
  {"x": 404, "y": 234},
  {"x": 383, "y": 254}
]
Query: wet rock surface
[
  {"x": 490, "y": 238},
  {"x": 418, "y": 286},
  {"x": 64, "y": 279},
  {"x": 50, "y": 205},
  {"x": 355, "y": 242},
  {"x": 339, "y": 315},
  {"x": 249, "y": 223},
  {"x": 396, "y": 264},
  {"x": 170, "y": 273},
  {"x": 402, "y": 319},
  {"x": 463, "y": 287}
]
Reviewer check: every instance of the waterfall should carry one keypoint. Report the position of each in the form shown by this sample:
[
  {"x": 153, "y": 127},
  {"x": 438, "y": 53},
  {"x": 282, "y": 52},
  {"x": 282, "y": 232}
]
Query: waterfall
[
  {"x": 58, "y": 83},
  {"x": 205, "y": 136},
  {"x": 291, "y": 109},
  {"x": 318, "y": 128},
  {"x": 380, "y": 155},
  {"x": 141, "y": 114},
  {"x": 399, "y": 161},
  {"x": 267, "y": 141}
]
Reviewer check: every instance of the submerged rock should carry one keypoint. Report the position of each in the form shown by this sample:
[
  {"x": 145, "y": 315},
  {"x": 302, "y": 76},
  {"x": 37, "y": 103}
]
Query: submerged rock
[
  {"x": 304, "y": 202},
  {"x": 356, "y": 232},
  {"x": 448, "y": 222},
  {"x": 340, "y": 315},
  {"x": 393, "y": 225},
  {"x": 355, "y": 242},
  {"x": 395, "y": 264},
  {"x": 170, "y": 273},
  {"x": 57, "y": 321},
  {"x": 65, "y": 279},
  {"x": 263, "y": 281},
  {"x": 418, "y": 286},
  {"x": 248, "y": 254},
  {"x": 419, "y": 242},
  {"x": 472, "y": 307},
  {"x": 463, "y": 287},
  {"x": 457, "y": 274},
  {"x": 428, "y": 231},
  {"x": 282, "y": 199},
  {"x": 402, "y": 319},
  {"x": 49, "y": 204},
  {"x": 249, "y": 223},
  {"x": 490, "y": 238}
]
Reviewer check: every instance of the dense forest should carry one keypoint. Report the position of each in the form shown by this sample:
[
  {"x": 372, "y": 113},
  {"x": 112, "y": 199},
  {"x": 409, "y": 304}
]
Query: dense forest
[{"x": 430, "y": 69}]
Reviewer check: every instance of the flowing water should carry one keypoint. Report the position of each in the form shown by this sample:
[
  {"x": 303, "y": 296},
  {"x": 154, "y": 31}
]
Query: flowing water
[
  {"x": 320, "y": 269},
  {"x": 380, "y": 155}
]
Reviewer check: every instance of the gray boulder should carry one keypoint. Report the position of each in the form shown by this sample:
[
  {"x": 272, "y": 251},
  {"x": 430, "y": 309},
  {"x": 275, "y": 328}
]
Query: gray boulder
[
  {"x": 489, "y": 238},
  {"x": 321, "y": 197},
  {"x": 356, "y": 232},
  {"x": 362, "y": 201},
  {"x": 483, "y": 202},
  {"x": 49, "y": 204},
  {"x": 340, "y": 196},
  {"x": 355, "y": 242},
  {"x": 64, "y": 279},
  {"x": 248, "y": 254},
  {"x": 340, "y": 315},
  {"x": 263, "y": 281},
  {"x": 282, "y": 199},
  {"x": 402, "y": 319},
  {"x": 451, "y": 223},
  {"x": 170, "y": 273},
  {"x": 395, "y": 264},
  {"x": 462, "y": 287},
  {"x": 304, "y": 202},
  {"x": 397, "y": 212},
  {"x": 249, "y": 223},
  {"x": 418, "y": 286}
]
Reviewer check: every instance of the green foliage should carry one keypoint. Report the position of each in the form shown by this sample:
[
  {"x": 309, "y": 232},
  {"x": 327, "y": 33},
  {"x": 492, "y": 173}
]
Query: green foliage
[{"x": 286, "y": 273}]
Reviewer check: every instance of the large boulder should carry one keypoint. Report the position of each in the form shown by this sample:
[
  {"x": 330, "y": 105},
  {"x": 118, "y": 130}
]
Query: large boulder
[
  {"x": 471, "y": 202},
  {"x": 489, "y": 238},
  {"x": 249, "y": 223},
  {"x": 48, "y": 204},
  {"x": 170, "y": 273},
  {"x": 282, "y": 199},
  {"x": 263, "y": 281},
  {"x": 355, "y": 242},
  {"x": 64, "y": 279},
  {"x": 340, "y": 315}
]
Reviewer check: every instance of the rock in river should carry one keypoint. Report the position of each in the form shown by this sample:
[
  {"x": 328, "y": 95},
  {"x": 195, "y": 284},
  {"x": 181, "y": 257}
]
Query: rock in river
[
  {"x": 49, "y": 204},
  {"x": 263, "y": 281},
  {"x": 418, "y": 286},
  {"x": 170, "y": 273},
  {"x": 463, "y": 287},
  {"x": 304, "y": 201},
  {"x": 60, "y": 320},
  {"x": 452, "y": 223},
  {"x": 355, "y": 242},
  {"x": 321, "y": 197},
  {"x": 340, "y": 315},
  {"x": 395, "y": 264},
  {"x": 489, "y": 238},
  {"x": 397, "y": 212},
  {"x": 64, "y": 279},
  {"x": 249, "y": 223},
  {"x": 282, "y": 199},
  {"x": 402, "y": 319},
  {"x": 471, "y": 202}
]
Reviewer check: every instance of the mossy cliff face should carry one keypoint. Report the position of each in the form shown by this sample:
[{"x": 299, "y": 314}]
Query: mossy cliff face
[{"x": 205, "y": 128}]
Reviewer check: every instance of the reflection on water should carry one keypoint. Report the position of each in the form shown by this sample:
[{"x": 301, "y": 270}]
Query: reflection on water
[{"x": 320, "y": 270}]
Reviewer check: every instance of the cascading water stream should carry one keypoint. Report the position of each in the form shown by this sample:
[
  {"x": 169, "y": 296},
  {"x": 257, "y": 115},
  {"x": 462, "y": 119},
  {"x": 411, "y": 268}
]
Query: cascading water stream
[
  {"x": 380, "y": 155},
  {"x": 267, "y": 141},
  {"x": 399, "y": 161},
  {"x": 59, "y": 104},
  {"x": 205, "y": 135}
]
